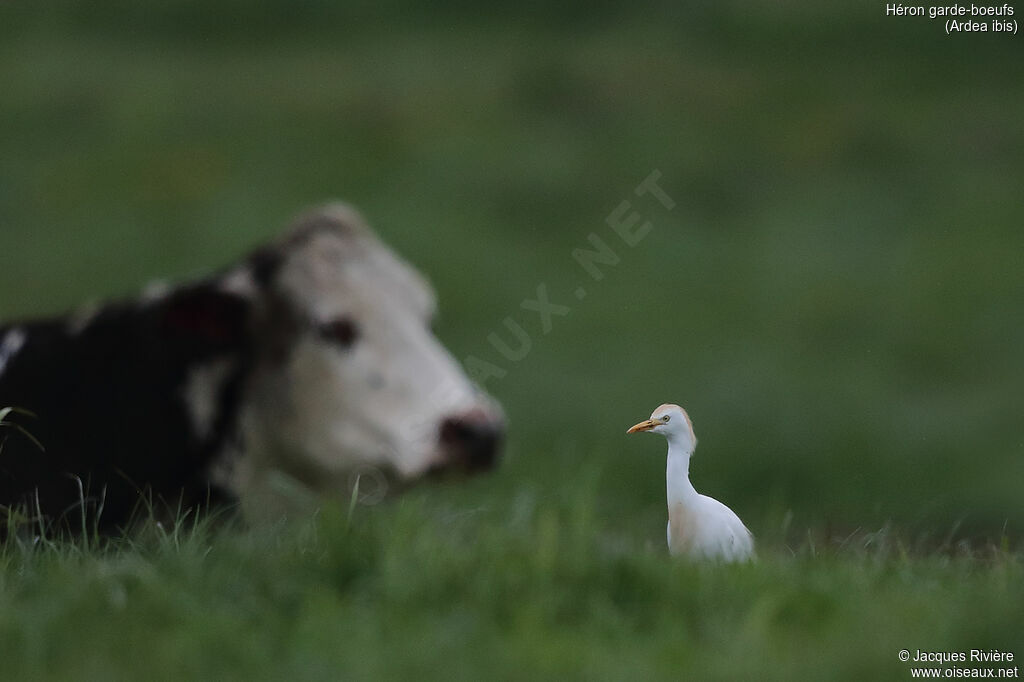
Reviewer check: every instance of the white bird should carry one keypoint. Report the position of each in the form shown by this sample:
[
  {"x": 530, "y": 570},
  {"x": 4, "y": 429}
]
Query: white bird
[{"x": 699, "y": 527}]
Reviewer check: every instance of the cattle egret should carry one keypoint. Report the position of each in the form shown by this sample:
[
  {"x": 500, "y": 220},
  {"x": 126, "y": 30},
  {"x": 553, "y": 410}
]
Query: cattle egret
[{"x": 699, "y": 527}]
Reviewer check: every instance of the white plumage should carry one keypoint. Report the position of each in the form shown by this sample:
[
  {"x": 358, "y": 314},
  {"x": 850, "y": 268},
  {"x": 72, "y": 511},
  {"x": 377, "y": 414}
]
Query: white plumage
[{"x": 699, "y": 527}]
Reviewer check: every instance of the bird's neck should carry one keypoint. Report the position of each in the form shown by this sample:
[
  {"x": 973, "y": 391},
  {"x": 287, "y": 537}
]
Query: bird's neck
[{"x": 677, "y": 474}]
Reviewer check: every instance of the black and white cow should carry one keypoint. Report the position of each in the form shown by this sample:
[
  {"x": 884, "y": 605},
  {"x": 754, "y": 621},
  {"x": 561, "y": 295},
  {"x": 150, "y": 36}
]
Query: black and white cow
[{"x": 309, "y": 360}]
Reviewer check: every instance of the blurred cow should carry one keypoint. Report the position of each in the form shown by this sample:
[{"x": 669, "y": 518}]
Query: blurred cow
[{"x": 308, "y": 361}]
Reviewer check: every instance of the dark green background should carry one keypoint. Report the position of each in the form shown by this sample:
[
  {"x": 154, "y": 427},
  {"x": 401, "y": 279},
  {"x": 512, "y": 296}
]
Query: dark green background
[{"x": 836, "y": 298}]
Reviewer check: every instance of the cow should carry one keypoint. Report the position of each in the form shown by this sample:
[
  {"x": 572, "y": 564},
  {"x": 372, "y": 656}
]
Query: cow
[{"x": 309, "y": 361}]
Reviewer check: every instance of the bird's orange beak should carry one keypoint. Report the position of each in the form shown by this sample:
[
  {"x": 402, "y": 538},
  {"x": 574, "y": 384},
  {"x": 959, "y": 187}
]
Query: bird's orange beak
[{"x": 645, "y": 425}]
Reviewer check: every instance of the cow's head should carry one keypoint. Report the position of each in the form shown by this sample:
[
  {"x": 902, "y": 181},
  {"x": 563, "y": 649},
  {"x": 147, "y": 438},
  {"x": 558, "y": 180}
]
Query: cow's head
[{"x": 346, "y": 374}]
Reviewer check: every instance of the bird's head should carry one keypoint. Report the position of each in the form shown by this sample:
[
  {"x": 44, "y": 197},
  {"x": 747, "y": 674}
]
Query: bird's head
[{"x": 672, "y": 422}]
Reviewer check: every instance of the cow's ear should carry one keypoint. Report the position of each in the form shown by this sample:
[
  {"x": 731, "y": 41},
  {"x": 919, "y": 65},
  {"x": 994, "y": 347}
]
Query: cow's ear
[
  {"x": 206, "y": 316},
  {"x": 264, "y": 264}
]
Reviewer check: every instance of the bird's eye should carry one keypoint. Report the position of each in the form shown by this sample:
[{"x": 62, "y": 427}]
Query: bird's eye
[
  {"x": 342, "y": 331},
  {"x": 666, "y": 418}
]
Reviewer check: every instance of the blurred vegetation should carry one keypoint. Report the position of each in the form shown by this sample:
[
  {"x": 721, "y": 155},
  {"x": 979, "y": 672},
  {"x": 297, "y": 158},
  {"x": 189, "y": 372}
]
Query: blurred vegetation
[
  {"x": 426, "y": 588},
  {"x": 836, "y": 297}
]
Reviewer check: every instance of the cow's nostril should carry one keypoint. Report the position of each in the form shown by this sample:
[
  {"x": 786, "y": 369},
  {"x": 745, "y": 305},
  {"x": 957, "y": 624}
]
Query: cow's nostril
[{"x": 473, "y": 439}]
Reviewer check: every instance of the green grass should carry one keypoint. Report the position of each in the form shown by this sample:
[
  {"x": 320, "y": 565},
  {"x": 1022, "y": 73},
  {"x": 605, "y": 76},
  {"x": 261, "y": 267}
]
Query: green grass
[
  {"x": 836, "y": 299},
  {"x": 546, "y": 589}
]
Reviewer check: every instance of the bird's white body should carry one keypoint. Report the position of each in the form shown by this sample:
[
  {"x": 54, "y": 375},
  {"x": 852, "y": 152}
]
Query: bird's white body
[{"x": 699, "y": 527}]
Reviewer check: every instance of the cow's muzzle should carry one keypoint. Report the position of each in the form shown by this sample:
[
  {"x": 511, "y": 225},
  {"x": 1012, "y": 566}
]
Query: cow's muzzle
[{"x": 472, "y": 440}]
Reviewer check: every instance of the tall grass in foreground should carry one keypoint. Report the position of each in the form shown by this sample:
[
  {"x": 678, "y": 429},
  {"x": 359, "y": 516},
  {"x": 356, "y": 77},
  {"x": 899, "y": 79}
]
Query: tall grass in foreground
[
  {"x": 7, "y": 425},
  {"x": 429, "y": 588}
]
